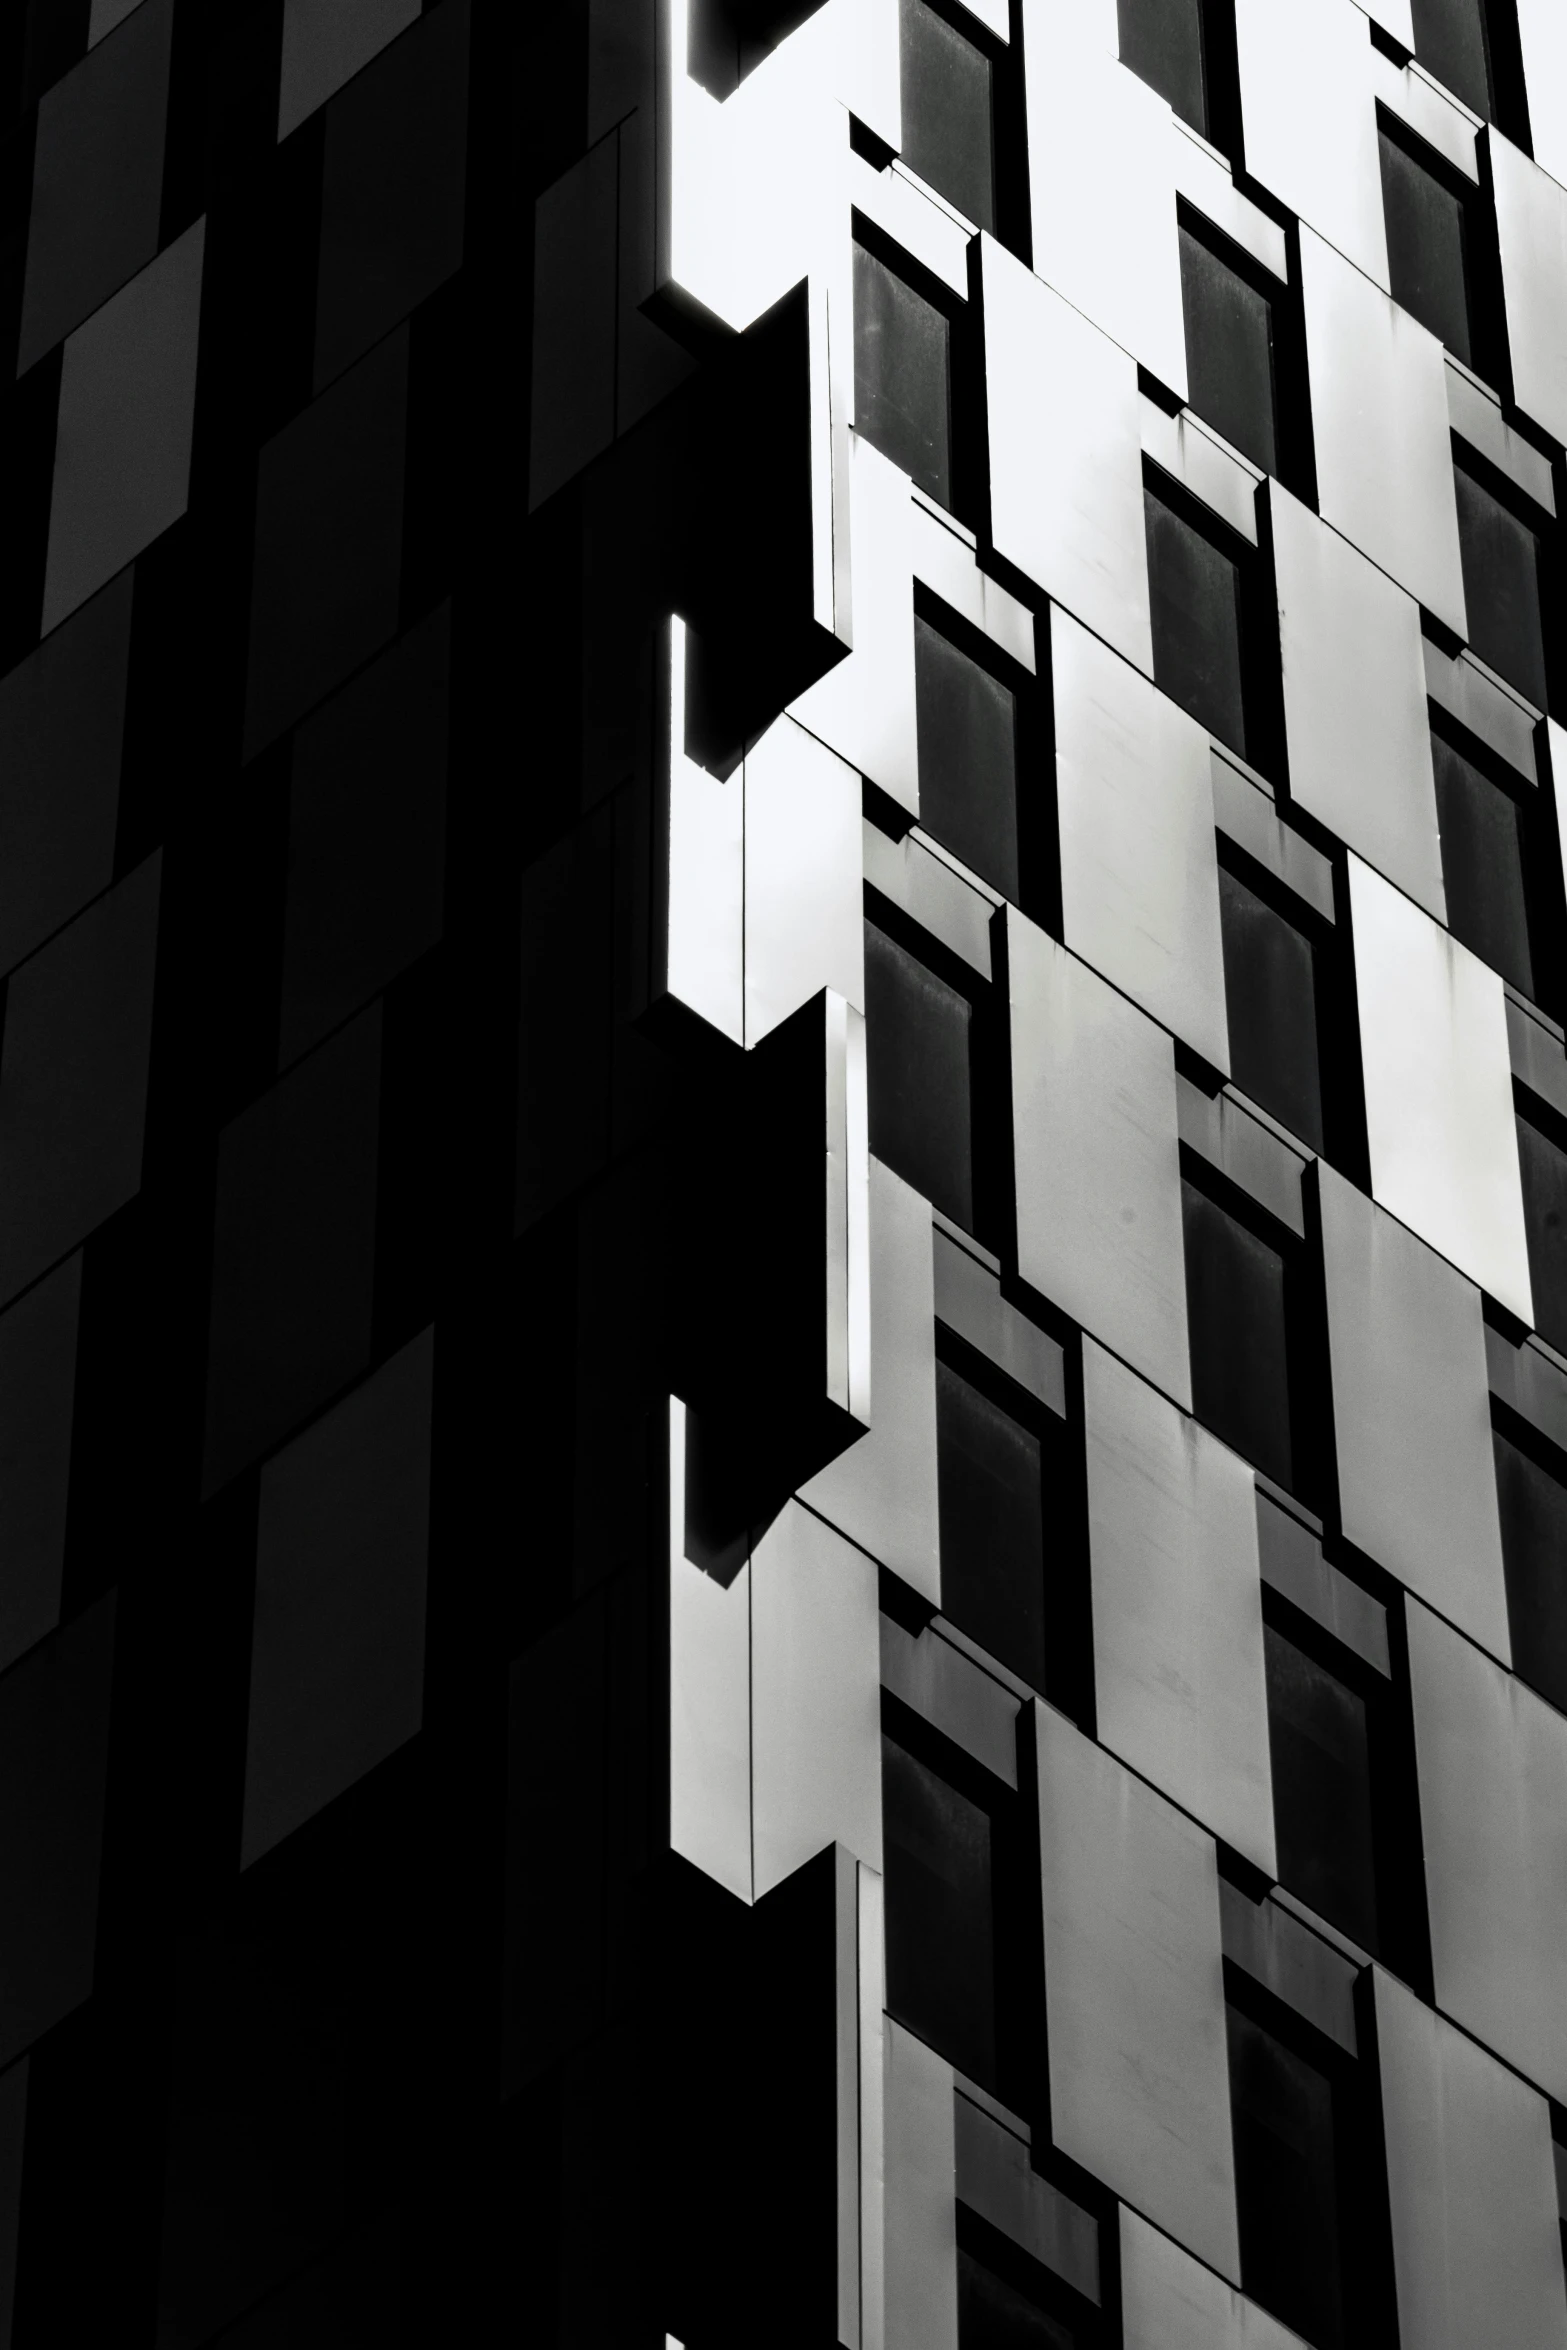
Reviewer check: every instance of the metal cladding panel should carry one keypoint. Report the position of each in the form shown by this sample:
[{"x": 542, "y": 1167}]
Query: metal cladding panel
[
  {"x": 920, "y": 2205},
  {"x": 882, "y": 1490},
  {"x": 1531, "y": 224},
  {"x": 1412, "y": 1413},
  {"x": 1492, "y": 1764},
  {"x": 1439, "y": 1089},
  {"x": 709, "y": 1700},
  {"x": 1177, "y": 1607},
  {"x": 1355, "y": 716},
  {"x": 804, "y": 891},
  {"x": 1171, "y": 2302},
  {"x": 1311, "y": 126},
  {"x": 1097, "y": 1158},
  {"x": 1101, "y": 161},
  {"x": 1380, "y": 422},
  {"x": 1542, "y": 31},
  {"x": 1066, "y": 467},
  {"x": 704, "y": 942},
  {"x": 864, "y": 707},
  {"x": 1134, "y": 1992},
  {"x": 1139, "y": 874},
  {"x": 1477, "y": 2250},
  {"x": 815, "y": 1697}
]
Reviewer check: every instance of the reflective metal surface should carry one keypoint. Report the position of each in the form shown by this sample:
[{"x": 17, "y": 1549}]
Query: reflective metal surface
[
  {"x": 1311, "y": 128},
  {"x": 1531, "y": 223},
  {"x": 1171, "y": 2302}
]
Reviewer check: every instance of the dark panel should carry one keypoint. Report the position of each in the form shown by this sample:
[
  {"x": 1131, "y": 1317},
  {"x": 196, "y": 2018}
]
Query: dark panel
[
  {"x": 967, "y": 758},
  {"x": 994, "y": 2315},
  {"x": 323, "y": 46},
  {"x": 901, "y": 370},
  {"x": 563, "y": 1096},
  {"x": 1542, "y": 1164},
  {"x": 941, "y": 1965},
  {"x": 1286, "y": 2183},
  {"x": 1196, "y": 623},
  {"x": 1450, "y": 42},
  {"x": 37, "y": 1393},
  {"x": 329, "y": 530},
  {"x": 1319, "y": 1739},
  {"x": 73, "y": 1078},
  {"x": 1533, "y": 1509},
  {"x": 353, "y": 2299},
  {"x": 62, "y": 718},
  {"x": 1229, "y": 352},
  {"x": 1161, "y": 40},
  {"x": 293, "y": 1253},
  {"x": 917, "y": 1045},
  {"x": 392, "y": 188},
  {"x": 13, "y": 2139},
  {"x": 992, "y": 1525},
  {"x": 1501, "y": 565},
  {"x": 946, "y": 111},
  {"x": 367, "y": 835},
  {"x": 1426, "y": 257},
  {"x": 1236, "y": 1315},
  {"x": 1270, "y": 992},
  {"x": 1482, "y": 865}
]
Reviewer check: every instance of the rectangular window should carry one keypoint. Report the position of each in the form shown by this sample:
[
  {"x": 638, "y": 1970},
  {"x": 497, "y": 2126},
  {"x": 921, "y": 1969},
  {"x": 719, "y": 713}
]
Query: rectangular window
[
  {"x": 992, "y": 1500},
  {"x": 1542, "y": 1164},
  {"x": 919, "y": 1054},
  {"x": 1532, "y": 1502},
  {"x": 967, "y": 721},
  {"x": 1287, "y": 2183},
  {"x": 1451, "y": 43},
  {"x": 940, "y": 1909},
  {"x": 1229, "y": 351},
  {"x": 1483, "y": 865},
  {"x": 1501, "y": 555},
  {"x": 993, "y": 2314},
  {"x": 1238, "y": 1299},
  {"x": 1270, "y": 991},
  {"x": 1162, "y": 42},
  {"x": 1319, "y": 1737},
  {"x": 902, "y": 374},
  {"x": 947, "y": 114},
  {"x": 1429, "y": 238},
  {"x": 1196, "y": 584}
]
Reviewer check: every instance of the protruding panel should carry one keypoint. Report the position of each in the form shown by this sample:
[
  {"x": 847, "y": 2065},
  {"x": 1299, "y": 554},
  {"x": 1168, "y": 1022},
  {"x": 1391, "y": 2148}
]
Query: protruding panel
[
  {"x": 882, "y": 1491},
  {"x": 1542, "y": 29},
  {"x": 1439, "y": 1093},
  {"x": 1177, "y": 1607},
  {"x": 804, "y": 894},
  {"x": 1170, "y": 2302},
  {"x": 1096, "y": 1147},
  {"x": 1492, "y": 1760},
  {"x": 325, "y": 44},
  {"x": 1311, "y": 126},
  {"x": 709, "y": 1700},
  {"x": 1355, "y": 701},
  {"x": 921, "y": 2210},
  {"x": 1102, "y": 189},
  {"x": 1477, "y": 2250},
  {"x": 1139, "y": 876},
  {"x": 864, "y": 708},
  {"x": 1066, "y": 468},
  {"x": 704, "y": 946},
  {"x": 1411, "y": 1413},
  {"x": 873, "y": 2110},
  {"x": 1531, "y": 223},
  {"x": 1134, "y": 1992},
  {"x": 815, "y": 1697},
  {"x": 1380, "y": 423}
]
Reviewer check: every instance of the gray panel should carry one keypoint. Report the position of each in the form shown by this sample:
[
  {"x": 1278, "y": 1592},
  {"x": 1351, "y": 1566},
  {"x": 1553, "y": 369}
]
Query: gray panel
[
  {"x": 574, "y": 244},
  {"x": 1227, "y": 1131},
  {"x": 342, "y": 1544},
  {"x": 864, "y": 707},
  {"x": 1203, "y": 177},
  {"x": 106, "y": 14},
  {"x": 1477, "y": 2249},
  {"x": 1134, "y": 1992},
  {"x": 996, "y": 2178},
  {"x": 1192, "y": 452},
  {"x": 1411, "y": 1413},
  {"x": 1097, "y": 1151},
  {"x": 1475, "y": 412},
  {"x": 325, "y": 43},
  {"x": 915, "y": 875},
  {"x": 1355, "y": 701},
  {"x": 1170, "y": 2302},
  {"x": 1066, "y": 468},
  {"x": 1492, "y": 1762},
  {"x": 1311, "y": 126},
  {"x": 969, "y": 1301},
  {"x": 1542, "y": 29},
  {"x": 1531, "y": 223},
  {"x": 1139, "y": 877},
  {"x": 1246, "y": 814},
  {"x": 1483, "y": 704},
  {"x": 967, "y": 1704},
  {"x": 1177, "y": 1607},
  {"x": 1291, "y": 1560},
  {"x": 37, "y": 1395},
  {"x": 1527, "y": 1378},
  {"x": 882, "y": 1490},
  {"x": 1381, "y": 430},
  {"x": 1439, "y": 1090},
  {"x": 1277, "y": 1949},
  {"x": 921, "y": 2249},
  {"x": 127, "y": 411}
]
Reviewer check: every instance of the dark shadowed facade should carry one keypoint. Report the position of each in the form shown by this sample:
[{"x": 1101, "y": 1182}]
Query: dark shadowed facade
[{"x": 783, "y": 1174}]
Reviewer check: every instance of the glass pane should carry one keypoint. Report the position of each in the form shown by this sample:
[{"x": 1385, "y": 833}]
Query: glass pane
[
  {"x": 1196, "y": 623},
  {"x": 1161, "y": 40},
  {"x": 917, "y": 1047},
  {"x": 1285, "y": 2183},
  {"x": 1450, "y": 43},
  {"x": 940, "y": 1929},
  {"x": 1533, "y": 1508},
  {"x": 1482, "y": 865},
  {"x": 1317, "y": 1737},
  {"x": 1544, "y": 1171},
  {"x": 1501, "y": 558},
  {"x": 992, "y": 2316},
  {"x": 946, "y": 112},
  {"x": 1236, "y": 1320},
  {"x": 992, "y": 1525},
  {"x": 900, "y": 375},
  {"x": 1425, "y": 249},
  {"x": 1270, "y": 989},
  {"x": 1229, "y": 352},
  {"x": 968, "y": 758}
]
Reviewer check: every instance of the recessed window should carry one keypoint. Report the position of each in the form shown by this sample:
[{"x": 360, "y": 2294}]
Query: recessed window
[
  {"x": 919, "y": 1060},
  {"x": 1450, "y": 42},
  {"x": 940, "y": 1908},
  {"x": 1238, "y": 1301},
  {"x": 1502, "y": 591},
  {"x": 1270, "y": 991},
  {"x": 994, "y": 2315},
  {"x": 902, "y": 374},
  {"x": 1162, "y": 42},
  {"x": 1428, "y": 247},
  {"x": 1287, "y": 2183},
  {"x": 967, "y": 723},
  {"x": 1229, "y": 352},
  {"x": 1542, "y": 1164},
  {"x": 991, "y": 1481},
  {"x": 1319, "y": 1737},
  {"x": 1532, "y": 1503},
  {"x": 1483, "y": 865},
  {"x": 947, "y": 129},
  {"x": 1195, "y": 586}
]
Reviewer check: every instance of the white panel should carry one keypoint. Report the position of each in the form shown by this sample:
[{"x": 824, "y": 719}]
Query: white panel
[
  {"x": 993, "y": 14},
  {"x": 1311, "y": 126},
  {"x": 1412, "y": 1413},
  {"x": 1204, "y": 180},
  {"x": 1380, "y": 423},
  {"x": 1355, "y": 714},
  {"x": 882, "y": 1490},
  {"x": 1134, "y": 1992},
  {"x": 1102, "y": 189},
  {"x": 709, "y": 1700},
  {"x": 1492, "y": 1763},
  {"x": 1542, "y": 27},
  {"x": 947, "y": 563},
  {"x": 1531, "y": 222},
  {"x": 1139, "y": 874},
  {"x": 804, "y": 892},
  {"x": 1439, "y": 1089},
  {"x": 1177, "y": 1607},
  {"x": 1409, "y": 92},
  {"x": 1171, "y": 2302},
  {"x": 1394, "y": 17},
  {"x": 1066, "y": 468},
  {"x": 921, "y": 2252},
  {"x": 1201, "y": 458},
  {"x": 704, "y": 944},
  {"x": 815, "y": 1697},
  {"x": 1472, "y": 2187},
  {"x": 864, "y": 707},
  {"x": 899, "y": 204}
]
